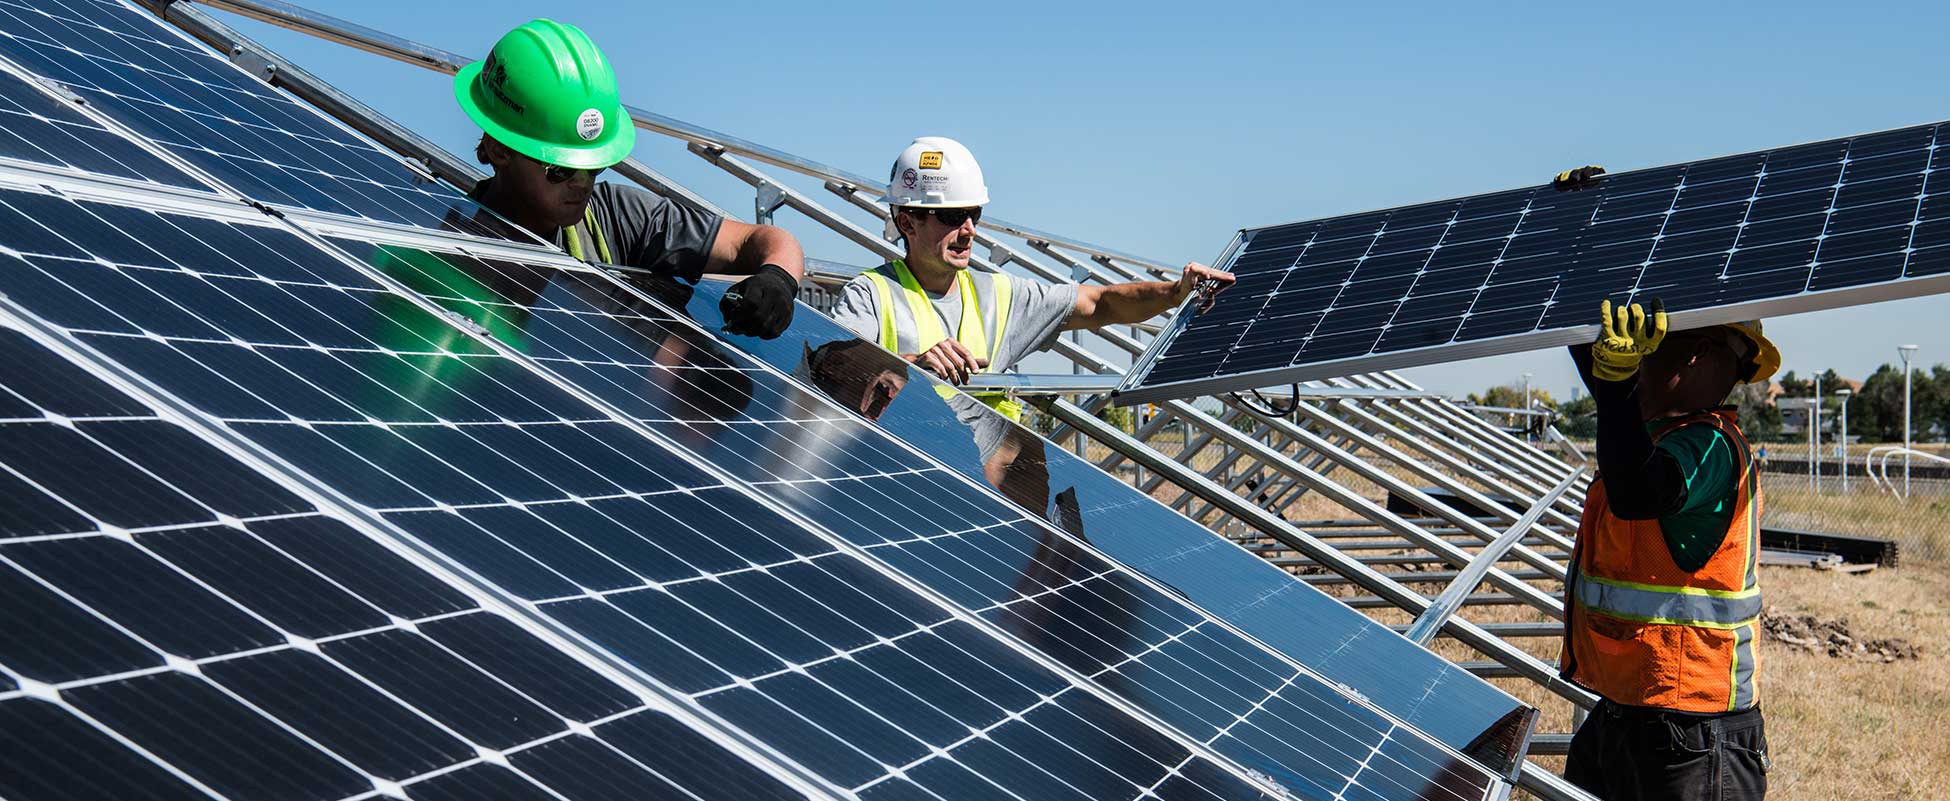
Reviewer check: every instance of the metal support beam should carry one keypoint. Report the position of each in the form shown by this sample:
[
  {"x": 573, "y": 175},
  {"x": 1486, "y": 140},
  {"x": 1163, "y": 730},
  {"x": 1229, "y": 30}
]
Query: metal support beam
[
  {"x": 1043, "y": 383},
  {"x": 1422, "y": 445},
  {"x": 1451, "y": 599},
  {"x": 1426, "y": 472},
  {"x": 1387, "y": 592},
  {"x": 1394, "y": 484},
  {"x": 1469, "y": 433}
]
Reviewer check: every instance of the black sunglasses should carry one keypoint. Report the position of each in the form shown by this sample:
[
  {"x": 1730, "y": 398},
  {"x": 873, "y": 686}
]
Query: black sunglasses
[
  {"x": 558, "y": 174},
  {"x": 950, "y": 217}
]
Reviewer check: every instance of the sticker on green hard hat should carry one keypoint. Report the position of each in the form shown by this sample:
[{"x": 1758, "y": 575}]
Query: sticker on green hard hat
[{"x": 547, "y": 92}]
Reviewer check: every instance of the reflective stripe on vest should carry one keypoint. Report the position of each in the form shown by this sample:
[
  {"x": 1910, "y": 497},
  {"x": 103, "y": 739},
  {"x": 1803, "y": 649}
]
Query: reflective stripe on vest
[
  {"x": 909, "y": 323},
  {"x": 1639, "y": 630},
  {"x": 1685, "y": 606},
  {"x": 573, "y": 243}
]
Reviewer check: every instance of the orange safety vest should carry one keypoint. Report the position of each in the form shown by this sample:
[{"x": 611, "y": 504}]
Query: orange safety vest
[{"x": 1641, "y": 631}]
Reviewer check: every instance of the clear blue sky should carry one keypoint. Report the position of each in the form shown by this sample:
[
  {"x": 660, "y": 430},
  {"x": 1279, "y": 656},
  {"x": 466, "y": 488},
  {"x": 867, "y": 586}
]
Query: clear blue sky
[{"x": 1160, "y": 129}]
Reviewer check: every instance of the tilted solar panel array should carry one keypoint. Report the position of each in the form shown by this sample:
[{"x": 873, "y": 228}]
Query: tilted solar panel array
[
  {"x": 429, "y": 433},
  {"x": 662, "y": 568},
  {"x": 251, "y": 139},
  {"x": 1814, "y": 226},
  {"x": 173, "y": 624},
  {"x": 1124, "y": 523}
]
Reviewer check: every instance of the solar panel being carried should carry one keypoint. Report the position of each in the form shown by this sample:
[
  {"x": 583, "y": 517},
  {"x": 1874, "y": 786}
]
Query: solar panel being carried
[{"x": 1815, "y": 226}]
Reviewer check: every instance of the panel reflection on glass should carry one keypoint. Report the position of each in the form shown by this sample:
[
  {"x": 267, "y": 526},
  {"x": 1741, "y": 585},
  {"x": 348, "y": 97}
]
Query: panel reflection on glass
[
  {"x": 414, "y": 410},
  {"x": 1049, "y": 590},
  {"x": 1244, "y": 590}
]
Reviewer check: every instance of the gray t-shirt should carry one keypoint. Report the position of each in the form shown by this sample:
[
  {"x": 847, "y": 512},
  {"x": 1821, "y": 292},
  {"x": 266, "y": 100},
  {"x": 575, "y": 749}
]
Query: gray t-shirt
[
  {"x": 1037, "y": 312},
  {"x": 647, "y": 231}
]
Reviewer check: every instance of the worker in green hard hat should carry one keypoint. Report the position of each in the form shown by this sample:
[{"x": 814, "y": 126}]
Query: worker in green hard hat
[{"x": 551, "y": 120}]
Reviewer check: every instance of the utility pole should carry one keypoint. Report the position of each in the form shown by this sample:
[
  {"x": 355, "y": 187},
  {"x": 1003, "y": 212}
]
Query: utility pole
[
  {"x": 1906, "y": 351},
  {"x": 1844, "y": 394}
]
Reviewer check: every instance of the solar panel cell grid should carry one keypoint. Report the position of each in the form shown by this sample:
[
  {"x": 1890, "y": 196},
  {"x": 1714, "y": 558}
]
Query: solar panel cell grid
[
  {"x": 308, "y": 661},
  {"x": 37, "y": 128},
  {"x": 1051, "y": 592},
  {"x": 1776, "y": 227},
  {"x": 174, "y": 93},
  {"x": 436, "y": 477},
  {"x": 403, "y": 410}
]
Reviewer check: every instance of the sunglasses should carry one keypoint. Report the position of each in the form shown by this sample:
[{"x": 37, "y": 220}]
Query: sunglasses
[
  {"x": 950, "y": 217},
  {"x": 558, "y": 174}
]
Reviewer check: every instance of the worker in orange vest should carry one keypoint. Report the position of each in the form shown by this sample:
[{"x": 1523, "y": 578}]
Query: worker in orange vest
[{"x": 1662, "y": 602}]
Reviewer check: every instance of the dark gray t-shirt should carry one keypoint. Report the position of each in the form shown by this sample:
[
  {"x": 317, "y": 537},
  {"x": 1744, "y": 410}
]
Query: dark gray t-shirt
[{"x": 647, "y": 231}]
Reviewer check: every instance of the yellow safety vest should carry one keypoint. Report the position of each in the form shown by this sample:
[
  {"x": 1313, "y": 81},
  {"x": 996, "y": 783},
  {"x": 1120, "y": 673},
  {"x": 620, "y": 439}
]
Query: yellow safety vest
[{"x": 928, "y": 330}]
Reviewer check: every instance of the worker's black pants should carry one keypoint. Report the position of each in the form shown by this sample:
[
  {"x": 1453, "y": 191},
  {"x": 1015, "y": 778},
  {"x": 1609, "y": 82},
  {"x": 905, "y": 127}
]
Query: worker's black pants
[{"x": 1626, "y": 753}]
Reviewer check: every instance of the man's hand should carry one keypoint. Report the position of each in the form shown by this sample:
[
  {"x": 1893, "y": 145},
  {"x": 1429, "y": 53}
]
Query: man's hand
[
  {"x": 1207, "y": 282},
  {"x": 1628, "y": 337},
  {"x": 761, "y": 305},
  {"x": 949, "y": 359}
]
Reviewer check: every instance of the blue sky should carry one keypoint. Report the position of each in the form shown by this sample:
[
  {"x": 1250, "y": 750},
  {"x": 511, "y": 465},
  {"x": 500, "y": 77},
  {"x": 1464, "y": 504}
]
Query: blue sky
[{"x": 1160, "y": 129}]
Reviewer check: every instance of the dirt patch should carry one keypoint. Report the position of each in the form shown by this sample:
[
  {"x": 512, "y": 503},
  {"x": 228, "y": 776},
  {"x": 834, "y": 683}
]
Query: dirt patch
[{"x": 1834, "y": 637}]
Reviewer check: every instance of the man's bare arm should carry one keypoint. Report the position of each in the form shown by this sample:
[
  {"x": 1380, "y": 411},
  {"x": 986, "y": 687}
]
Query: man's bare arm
[
  {"x": 1137, "y": 301},
  {"x": 742, "y": 248}
]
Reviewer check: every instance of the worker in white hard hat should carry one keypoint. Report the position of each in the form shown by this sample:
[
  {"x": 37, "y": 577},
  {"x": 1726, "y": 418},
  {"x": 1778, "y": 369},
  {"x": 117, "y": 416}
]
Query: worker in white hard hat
[{"x": 936, "y": 313}]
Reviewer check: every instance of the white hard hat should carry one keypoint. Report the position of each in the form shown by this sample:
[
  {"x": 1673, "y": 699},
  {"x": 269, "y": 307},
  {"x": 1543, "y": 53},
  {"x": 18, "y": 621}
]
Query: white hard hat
[{"x": 935, "y": 173}]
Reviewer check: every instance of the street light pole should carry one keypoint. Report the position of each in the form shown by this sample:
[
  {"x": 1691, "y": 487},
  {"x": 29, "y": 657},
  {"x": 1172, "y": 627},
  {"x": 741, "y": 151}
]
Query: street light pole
[
  {"x": 1526, "y": 405},
  {"x": 1813, "y": 408},
  {"x": 1906, "y": 351},
  {"x": 1844, "y": 394},
  {"x": 1814, "y": 439}
]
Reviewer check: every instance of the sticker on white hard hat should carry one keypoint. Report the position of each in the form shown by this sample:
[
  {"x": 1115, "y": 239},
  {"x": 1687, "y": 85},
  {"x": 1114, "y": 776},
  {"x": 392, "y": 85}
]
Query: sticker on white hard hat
[
  {"x": 909, "y": 178},
  {"x": 931, "y": 160},
  {"x": 589, "y": 125}
]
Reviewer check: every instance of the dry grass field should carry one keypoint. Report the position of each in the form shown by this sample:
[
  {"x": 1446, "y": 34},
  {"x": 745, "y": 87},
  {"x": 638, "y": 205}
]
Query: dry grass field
[{"x": 1838, "y": 728}]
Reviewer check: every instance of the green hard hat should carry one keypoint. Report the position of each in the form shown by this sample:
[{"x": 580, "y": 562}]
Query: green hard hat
[{"x": 548, "y": 93}]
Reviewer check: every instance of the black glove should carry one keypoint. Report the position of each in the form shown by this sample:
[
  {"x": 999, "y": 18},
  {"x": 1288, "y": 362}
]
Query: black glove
[
  {"x": 1577, "y": 180},
  {"x": 761, "y": 305}
]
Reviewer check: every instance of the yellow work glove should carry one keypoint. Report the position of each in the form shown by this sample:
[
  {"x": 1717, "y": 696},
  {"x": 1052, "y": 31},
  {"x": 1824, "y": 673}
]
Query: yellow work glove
[
  {"x": 1577, "y": 180},
  {"x": 1627, "y": 339}
]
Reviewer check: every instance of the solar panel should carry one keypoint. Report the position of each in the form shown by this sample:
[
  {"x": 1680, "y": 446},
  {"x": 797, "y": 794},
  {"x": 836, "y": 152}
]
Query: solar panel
[
  {"x": 1815, "y": 226},
  {"x": 170, "y": 90},
  {"x": 688, "y": 583},
  {"x": 38, "y": 128},
  {"x": 1246, "y": 591},
  {"x": 174, "y": 623},
  {"x": 706, "y": 534},
  {"x": 1142, "y": 644}
]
